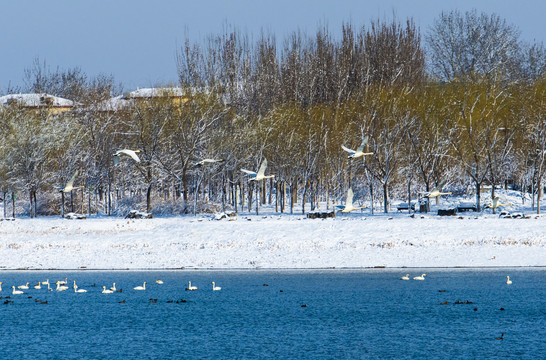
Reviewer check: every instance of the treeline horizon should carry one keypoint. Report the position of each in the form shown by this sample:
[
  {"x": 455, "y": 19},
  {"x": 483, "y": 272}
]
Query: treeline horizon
[{"x": 467, "y": 109}]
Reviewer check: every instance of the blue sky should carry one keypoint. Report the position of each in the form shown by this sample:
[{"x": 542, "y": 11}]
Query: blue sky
[{"x": 136, "y": 40}]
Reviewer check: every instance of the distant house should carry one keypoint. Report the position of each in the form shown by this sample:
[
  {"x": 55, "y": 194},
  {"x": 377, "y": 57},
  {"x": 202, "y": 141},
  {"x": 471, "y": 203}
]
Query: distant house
[
  {"x": 53, "y": 104},
  {"x": 177, "y": 95}
]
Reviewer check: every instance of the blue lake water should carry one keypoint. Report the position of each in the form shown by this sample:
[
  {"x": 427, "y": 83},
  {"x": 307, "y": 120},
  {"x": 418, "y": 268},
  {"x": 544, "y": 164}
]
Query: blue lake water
[{"x": 349, "y": 314}]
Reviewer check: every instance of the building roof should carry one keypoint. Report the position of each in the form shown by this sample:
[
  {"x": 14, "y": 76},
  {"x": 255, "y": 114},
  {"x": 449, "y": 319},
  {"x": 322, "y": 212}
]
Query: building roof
[{"x": 36, "y": 100}]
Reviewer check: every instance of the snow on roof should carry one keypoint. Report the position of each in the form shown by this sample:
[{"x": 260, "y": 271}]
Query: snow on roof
[
  {"x": 112, "y": 104},
  {"x": 35, "y": 100},
  {"x": 151, "y": 92}
]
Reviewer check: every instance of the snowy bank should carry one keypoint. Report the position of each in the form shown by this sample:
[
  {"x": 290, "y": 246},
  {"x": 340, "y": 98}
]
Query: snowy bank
[{"x": 247, "y": 241}]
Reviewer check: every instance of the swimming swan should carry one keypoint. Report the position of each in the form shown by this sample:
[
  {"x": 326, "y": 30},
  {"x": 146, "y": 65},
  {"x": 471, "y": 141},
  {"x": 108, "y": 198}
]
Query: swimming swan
[
  {"x": 23, "y": 287},
  {"x": 406, "y": 277},
  {"x": 190, "y": 287},
  {"x": 39, "y": 286},
  {"x": 16, "y": 292},
  {"x": 61, "y": 287},
  {"x": 143, "y": 287},
  {"x": 106, "y": 291},
  {"x": 422, "y": 277},
  {"x": 508, "y": 281},
  {"x": 215, "y": 288}
]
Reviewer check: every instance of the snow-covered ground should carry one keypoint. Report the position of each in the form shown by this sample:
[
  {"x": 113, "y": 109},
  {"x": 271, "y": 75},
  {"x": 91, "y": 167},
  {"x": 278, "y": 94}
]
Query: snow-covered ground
[{"x": 272, "y": 240}]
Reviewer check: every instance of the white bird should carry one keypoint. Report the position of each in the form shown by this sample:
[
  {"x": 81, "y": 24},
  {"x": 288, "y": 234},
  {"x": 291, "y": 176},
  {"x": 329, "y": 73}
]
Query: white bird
[
  {"x": 61, "y": 287},
  {"x": 349, "y": 203},
  {"x": 496, "y": 204},
  {"x": 436, "y": 191},
  {"x": 190, "y": 287},
  {"x": 353, "y": 154},
  {"x": 45, "y": 282},
  {"x": 422, "y": 277},
  {"x": 1, "y": 285},
  {"x": 260, "y": 174},
  {"x": 76, "y": 290},
  {"x": 113, "y": 288},
  {"x": 23, "y": 287},
  {"x": 159, "y": 281},
  {"x": 143, "y": 287},
  {"x": 39, "y": 286},
  {"x": 16, "y": 292},
  {"x": 106, "y": 291},
  {"x": 63, "y": 282},
  {"x": 215, "y": 288},
  {"x": 70, "y": 184},
  {"x": 126, "y": 152},
  {"x": 406, "y": 277},
  {"x": 508, "y": 281},
  {"x": 207, "y": 161}
]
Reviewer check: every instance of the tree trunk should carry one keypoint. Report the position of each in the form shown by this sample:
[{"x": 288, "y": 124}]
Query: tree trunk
[
  {"x": 385, "y": 198},
  {"x": 13, "y": 204},
  {"x": 149, "y": 198},
  {"x": 478, "y": 196},
  {"x": 62, "y": 204}
]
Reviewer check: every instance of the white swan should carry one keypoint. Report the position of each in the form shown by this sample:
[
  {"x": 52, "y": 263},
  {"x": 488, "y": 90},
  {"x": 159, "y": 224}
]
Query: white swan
[
  {"x": 406, "y": 277},
  {"x": 215, "y": 288},
  {"x": 349, "y": 203},
  {"x": 23, "y": 287},
  {"x": 436, "y": 191},
  {"x": 126, "y": 152},
  {"x": 45, "y": 282},
  {"x": 190, "y": 287},
  {"x": 260, "y": 174},
  {"x": 61, "y": 287},
  {"x": 143, "y": 287},
  {"x": 159, "y": 281},
  {"x": 63, "y": 282},
  {"x": 16, "y": 292},
  {"x": 106, "y": 291},
  {"x": 70, "y": 184},
  {"x": 508, "y": 281},
  {"x": 113, "y": 288},
  {"x": 496, "y": 204},
  {"x": 76, "y": 290},
  {"x": 422, "y": 277},
  {"x": 207, "y": 161},
  {"x": 353, "y": 154},
  {"x": 1, "y": 285},
  {"x": 39, "y": 286}
]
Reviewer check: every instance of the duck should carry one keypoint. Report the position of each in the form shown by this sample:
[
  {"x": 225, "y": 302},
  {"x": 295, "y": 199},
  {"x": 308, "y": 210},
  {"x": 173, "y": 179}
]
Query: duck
[
  {"x": 501, "y": 337},
  {"x": 260, "y": 174},
  {"x": 422, "y": 277},
  {"x": 349, "y": 203},
  {"x": 126, "y": 152},
  {"x": 190, "y": 287},
  {"x": 61, "y": 287},
  {"x": 353, "y": 154},
  {"x": 16, "y": 292},
  {"x": 508, "y": 281},
  {"x": 143, "y": 287},
  {"x": 70, "y": 184},
  {"x": 405, "y": 277},
  {"x": 39, "y": 286},
  {"x": 106, "y": 291},
  {"x": 23, "y": 287},
  {"x": 215, "y": 288}
]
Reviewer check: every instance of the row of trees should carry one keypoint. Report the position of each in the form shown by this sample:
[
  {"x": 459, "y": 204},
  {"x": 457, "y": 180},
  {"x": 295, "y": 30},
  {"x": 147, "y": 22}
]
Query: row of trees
[{"x": 477, "y": 116}]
